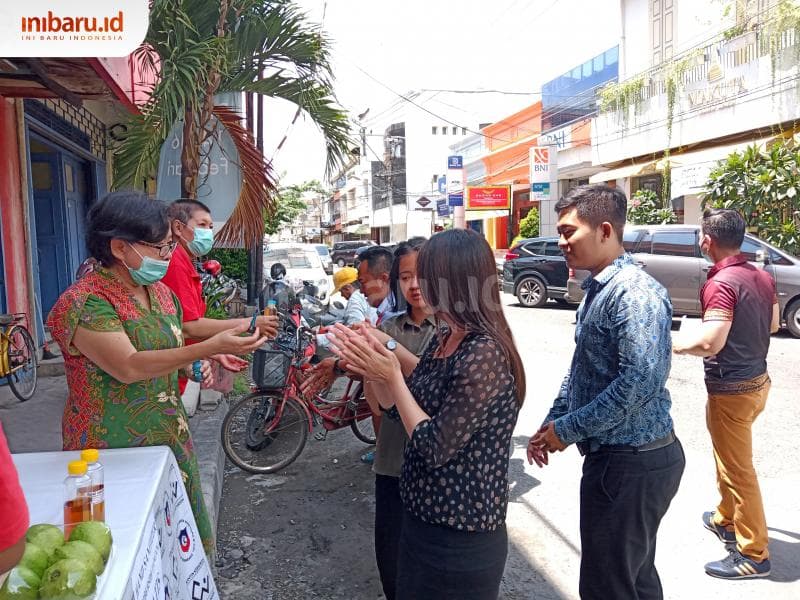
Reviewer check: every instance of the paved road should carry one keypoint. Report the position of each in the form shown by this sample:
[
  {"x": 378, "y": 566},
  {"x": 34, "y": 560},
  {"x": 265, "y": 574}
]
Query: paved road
[{"x": 307, "y": 532}]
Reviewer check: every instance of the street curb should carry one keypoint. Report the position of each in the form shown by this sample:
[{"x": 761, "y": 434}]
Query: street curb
[{"x": 205, "y": 427}]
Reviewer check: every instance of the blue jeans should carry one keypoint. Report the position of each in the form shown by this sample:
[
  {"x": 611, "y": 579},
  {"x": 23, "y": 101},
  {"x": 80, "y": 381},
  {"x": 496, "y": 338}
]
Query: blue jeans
[{"x": 624, "y": 496}]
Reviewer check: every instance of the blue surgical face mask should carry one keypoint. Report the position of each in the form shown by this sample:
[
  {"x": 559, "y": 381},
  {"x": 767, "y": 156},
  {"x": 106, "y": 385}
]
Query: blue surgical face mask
[
  {"x": 150, "y": 271},
  {"x": 202, "y": 242}
]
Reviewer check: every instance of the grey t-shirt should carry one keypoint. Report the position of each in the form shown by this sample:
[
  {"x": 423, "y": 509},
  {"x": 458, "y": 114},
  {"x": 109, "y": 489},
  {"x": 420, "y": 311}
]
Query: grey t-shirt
[{"x": 392, "y": 436}]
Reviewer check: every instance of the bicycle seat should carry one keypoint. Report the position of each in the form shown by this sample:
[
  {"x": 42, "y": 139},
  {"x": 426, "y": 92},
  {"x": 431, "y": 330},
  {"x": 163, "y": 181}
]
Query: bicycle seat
[{"x": 7, "y": 320}]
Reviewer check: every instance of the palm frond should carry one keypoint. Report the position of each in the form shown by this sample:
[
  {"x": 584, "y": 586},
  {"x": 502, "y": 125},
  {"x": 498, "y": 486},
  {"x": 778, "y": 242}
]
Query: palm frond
[
  {"x": 257, "y": 197},
  {"x": 317, "y": 101}
]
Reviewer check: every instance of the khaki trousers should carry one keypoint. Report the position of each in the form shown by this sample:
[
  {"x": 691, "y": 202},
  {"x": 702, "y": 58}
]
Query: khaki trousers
[{"x": 730, "y": 419}]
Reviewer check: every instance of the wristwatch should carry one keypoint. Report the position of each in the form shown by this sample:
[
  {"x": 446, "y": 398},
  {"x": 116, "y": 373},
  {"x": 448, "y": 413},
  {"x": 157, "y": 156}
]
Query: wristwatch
[{"x": 391, "y": 344}]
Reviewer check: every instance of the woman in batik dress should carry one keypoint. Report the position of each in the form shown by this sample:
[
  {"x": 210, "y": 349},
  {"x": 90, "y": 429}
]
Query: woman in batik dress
[{"x": 119, "y": 330}]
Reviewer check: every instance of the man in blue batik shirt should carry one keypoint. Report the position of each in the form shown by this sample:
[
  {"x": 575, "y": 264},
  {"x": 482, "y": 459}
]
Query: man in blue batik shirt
[{"x": 613, "y": 403}]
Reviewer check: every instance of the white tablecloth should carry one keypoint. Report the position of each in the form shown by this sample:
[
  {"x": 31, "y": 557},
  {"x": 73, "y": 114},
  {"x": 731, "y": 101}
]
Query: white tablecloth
[{"x": 157, "y": 552}]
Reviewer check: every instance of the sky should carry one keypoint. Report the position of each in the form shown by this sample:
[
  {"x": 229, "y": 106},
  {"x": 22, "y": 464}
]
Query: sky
[{"x": 383, "y": 45}]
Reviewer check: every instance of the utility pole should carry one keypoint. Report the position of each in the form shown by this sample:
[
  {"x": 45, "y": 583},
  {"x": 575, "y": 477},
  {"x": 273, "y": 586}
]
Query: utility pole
[{"x": 390, "y": 190}]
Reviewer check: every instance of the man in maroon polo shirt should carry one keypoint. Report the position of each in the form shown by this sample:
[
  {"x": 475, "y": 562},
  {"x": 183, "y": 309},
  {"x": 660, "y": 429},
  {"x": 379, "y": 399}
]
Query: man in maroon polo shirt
[
  {"x": 192, "y": 228},
  {"x": 740, "y": 311}
]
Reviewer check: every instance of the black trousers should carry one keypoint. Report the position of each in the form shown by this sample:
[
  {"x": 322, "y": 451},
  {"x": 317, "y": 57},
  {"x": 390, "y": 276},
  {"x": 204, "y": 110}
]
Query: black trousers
[
  {"x": 623, "y": 499},
  {"x": 388, "y": 524},
  {"x": 440, "y": 563}
]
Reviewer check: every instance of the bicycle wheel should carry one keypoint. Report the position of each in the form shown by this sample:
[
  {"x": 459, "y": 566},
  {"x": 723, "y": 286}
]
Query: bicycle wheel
[
  {"x": 275, "y": 444},
  {"x": 22, "y": 362},
  {"x": 362, "y": 425}
]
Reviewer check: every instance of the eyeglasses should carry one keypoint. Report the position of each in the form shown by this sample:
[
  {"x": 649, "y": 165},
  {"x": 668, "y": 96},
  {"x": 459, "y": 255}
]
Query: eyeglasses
[{"x": 164, "y": 250}]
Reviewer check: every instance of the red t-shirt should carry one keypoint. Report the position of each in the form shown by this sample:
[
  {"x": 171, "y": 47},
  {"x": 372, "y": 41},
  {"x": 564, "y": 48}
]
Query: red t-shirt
[
  {"x": 13, "y": 510},
  {"x": 184, "y": 280}
]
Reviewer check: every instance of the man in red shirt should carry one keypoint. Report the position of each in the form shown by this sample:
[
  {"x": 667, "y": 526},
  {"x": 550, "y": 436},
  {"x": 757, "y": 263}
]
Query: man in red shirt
[
  {"x": 740, "y": 311},
  {"x": 192, "y": 229},
  {"x": 13, "y": 511}
]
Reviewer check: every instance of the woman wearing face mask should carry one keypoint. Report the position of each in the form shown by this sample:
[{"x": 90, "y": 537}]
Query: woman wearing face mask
[{"x": 119, "y": 330}]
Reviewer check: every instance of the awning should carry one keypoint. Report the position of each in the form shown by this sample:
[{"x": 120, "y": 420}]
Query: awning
[
  {"x": 633, "y": 170},
  {"x": 358, "y": 229},
  {"x": 690, "y": 170},
  {"x": 711, "y": 155},
  {"x": 479, "y": 215}
]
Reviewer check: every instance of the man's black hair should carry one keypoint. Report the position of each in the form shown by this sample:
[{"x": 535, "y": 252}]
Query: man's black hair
[
  {"x": 379, "y": 260},
  {"x": 724, "y": 226},
  {"x": 597, "y": 204},
  {"x": 184, "y": 208}
]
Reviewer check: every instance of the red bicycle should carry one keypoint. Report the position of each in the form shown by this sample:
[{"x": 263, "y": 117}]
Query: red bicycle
[{"x": 267, "y": 430}]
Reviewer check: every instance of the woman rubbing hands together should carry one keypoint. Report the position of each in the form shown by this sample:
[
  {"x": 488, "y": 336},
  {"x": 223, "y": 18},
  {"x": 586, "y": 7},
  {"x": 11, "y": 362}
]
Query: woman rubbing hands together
[{"x": 459, "y": 406}]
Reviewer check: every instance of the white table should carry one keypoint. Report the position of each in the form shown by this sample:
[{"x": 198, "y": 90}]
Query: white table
[{"x": 157, "y": 552}]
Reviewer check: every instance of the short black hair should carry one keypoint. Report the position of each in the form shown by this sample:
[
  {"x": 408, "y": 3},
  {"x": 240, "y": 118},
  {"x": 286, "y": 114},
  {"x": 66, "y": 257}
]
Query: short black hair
[
  {"x": 379, "y": 260},
  {"x": 725, "y": 226},
  {"x": 184, "y": 208},
  {"x": 597, "y": 204},
  {"x": 127, "y": 215}
]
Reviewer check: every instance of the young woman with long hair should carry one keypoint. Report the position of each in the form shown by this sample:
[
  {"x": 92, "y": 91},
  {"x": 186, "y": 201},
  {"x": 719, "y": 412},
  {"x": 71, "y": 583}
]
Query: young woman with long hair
[{"x": 459, "y": 407}]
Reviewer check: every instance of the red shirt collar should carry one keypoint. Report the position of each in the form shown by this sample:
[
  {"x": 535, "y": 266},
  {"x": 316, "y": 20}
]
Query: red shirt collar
[{"x": 730, "y": 261}]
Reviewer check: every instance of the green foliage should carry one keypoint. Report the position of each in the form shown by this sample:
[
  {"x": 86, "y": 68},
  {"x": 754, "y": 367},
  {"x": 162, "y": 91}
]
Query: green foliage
[
  {"x": 619, "y": 96},
  {"x": 529, "y": 226},
  {"x": 267, "y": 47},
  {"x": 233, "y": 261},
  {"x": 765, "y": 187},
  {"x": 289, "y": 205},
  {"x": 645, "y": 209}
]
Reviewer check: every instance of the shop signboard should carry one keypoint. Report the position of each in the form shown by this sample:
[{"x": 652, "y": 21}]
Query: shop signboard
[
  {"x": 455, "y": 180},
  {"x": 490, "y": 197},
  {"x": 442, "y": 208}
]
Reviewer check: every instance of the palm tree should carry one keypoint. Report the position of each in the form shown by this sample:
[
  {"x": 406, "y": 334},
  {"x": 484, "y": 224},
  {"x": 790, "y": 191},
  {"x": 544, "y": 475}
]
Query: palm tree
[{"x": 202, "y": 48}]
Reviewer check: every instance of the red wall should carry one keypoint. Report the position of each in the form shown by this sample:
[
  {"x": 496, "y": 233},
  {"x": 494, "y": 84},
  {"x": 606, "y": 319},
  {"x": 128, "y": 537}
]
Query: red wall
[{"x": 15, "y": 229}]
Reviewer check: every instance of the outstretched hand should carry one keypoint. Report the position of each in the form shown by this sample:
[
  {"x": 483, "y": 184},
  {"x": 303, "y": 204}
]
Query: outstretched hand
[{"x": 231, "y": 341}]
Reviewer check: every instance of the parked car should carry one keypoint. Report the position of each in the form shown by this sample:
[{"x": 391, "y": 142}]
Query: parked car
[
  {"x": 344, "y": 253},
  {"x": 671, "y": 254},
  {"x": 302, "y": 264},
  {"x": 535, "y": 271},
  {"x": 325, "y": 257}
]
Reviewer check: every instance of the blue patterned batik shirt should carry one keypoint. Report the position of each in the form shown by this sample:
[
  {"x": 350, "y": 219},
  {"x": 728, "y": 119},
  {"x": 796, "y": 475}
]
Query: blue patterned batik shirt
[{"x": 615, "y": 391}]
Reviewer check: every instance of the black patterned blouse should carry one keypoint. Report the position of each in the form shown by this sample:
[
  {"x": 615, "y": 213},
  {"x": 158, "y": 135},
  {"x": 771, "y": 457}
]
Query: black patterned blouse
[{"x": 455, "y": 471}]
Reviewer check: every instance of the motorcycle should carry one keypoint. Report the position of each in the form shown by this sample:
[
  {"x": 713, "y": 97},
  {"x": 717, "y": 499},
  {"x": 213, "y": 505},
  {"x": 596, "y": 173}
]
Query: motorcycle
[{"x": 219, "y": 290}]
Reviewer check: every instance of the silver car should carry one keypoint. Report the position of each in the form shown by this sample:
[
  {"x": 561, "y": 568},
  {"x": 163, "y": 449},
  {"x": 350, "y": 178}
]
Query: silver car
[{"x": 671, "y": 254}]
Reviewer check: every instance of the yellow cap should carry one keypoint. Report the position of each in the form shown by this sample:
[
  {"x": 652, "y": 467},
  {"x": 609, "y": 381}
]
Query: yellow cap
[
  {"x": 77, "y": 467},
  {"x": 342, "y": 277},
  {"x": 90, "y": 455}
]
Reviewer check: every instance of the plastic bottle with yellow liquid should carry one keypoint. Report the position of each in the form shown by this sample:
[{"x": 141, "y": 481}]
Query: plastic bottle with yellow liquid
[
  {"x": 97, "y": 488},
  {"x": 77, "y": 501}
]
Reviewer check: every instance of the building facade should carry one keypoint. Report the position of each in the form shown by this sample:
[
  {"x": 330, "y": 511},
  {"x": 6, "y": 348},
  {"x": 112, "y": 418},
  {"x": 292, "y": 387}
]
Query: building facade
[
  {"x": 59, "y": 121},
  {"x": 692, "y": 91}
]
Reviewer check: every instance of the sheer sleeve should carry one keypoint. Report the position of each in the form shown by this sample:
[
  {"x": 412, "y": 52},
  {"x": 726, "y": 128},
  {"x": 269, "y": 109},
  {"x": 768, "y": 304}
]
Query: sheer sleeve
[{"x": 474, "y": 397}]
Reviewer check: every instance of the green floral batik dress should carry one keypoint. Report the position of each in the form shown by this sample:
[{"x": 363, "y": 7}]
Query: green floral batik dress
[{"x": 102, "y": 412}]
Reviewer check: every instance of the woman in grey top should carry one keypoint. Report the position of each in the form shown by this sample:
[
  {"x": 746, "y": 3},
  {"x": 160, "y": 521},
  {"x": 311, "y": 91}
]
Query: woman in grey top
[{"x": 413, "y": 330}]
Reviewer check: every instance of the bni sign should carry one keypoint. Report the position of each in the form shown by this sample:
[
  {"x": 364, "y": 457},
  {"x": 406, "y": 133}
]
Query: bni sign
[
  {"x": 543, "y": 173},
  {"x": 455, "y": 180}
]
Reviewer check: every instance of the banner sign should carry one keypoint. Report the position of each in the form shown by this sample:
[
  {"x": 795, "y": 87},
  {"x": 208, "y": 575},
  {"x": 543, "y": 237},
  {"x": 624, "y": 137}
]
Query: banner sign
[
  {"x": 492, "y": 197},
  {"x": 455, "y": 162},
  {"x": 543, "y": 172},
  {"x": 442, "y": 208}
]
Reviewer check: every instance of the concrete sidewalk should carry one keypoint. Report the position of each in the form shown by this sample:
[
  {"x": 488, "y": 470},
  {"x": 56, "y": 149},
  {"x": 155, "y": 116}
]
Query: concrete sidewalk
[{"x": 35, "y": 426}]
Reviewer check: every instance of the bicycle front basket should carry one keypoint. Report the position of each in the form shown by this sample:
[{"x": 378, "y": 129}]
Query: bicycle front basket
[{"x": 270, "y": 367}]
